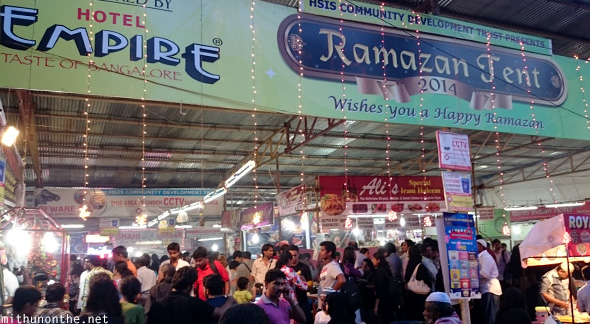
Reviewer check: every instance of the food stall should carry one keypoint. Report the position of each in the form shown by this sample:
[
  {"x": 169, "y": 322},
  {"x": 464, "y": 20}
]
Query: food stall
[
  {"x": 565, "y": 237},
  {"x": 258, "y": 228},
  {"x": 34, "y": 244}
]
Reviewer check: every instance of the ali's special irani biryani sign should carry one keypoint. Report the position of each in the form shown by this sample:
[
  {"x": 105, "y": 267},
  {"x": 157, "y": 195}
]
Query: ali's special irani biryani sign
[{"x": 378, "y": 196}]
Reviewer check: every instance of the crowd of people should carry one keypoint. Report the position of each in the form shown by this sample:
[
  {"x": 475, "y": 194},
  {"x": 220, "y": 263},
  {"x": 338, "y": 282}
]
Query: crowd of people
[{"x": 279, "y": 286}]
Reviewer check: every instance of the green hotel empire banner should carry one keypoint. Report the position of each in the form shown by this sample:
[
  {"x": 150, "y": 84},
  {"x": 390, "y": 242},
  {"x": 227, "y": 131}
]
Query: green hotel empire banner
[{"x": 353, "y": 65}]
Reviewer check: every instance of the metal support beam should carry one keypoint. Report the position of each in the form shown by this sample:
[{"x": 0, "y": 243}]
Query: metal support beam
[
  {"x": 26, "y": 107},
  {"x": 307, "y": 130}
]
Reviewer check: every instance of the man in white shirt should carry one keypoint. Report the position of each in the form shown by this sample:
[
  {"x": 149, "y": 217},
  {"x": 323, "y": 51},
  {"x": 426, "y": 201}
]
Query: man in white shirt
[
  {"x": 489, "y": 284},
  {"x": 426, "y": 250},
  {"x": 175, "y": 257},
  {"x": 87, "y": 267},
  {"x": 261, "y": 265},
  {"x": 10, "y": 285},
  {"x": 146, "y": 276},
  {"x": 331, "y": 275}
]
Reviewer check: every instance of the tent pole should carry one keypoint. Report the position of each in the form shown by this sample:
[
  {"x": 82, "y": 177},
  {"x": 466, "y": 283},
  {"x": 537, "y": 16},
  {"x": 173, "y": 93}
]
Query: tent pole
[{"x": 569, "y": 276}]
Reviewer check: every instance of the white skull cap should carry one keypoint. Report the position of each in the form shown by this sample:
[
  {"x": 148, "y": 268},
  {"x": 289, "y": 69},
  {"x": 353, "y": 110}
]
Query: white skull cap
[{"x": 439, "y": 297}]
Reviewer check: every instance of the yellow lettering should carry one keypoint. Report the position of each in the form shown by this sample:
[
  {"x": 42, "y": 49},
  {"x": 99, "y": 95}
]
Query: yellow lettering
[{"x": 332, "y": 46}]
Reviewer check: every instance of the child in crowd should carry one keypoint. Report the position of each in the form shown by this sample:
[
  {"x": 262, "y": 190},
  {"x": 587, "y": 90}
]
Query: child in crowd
[
  {"x": 322, "y": 317},
  {"x": 243, "y": 295}
]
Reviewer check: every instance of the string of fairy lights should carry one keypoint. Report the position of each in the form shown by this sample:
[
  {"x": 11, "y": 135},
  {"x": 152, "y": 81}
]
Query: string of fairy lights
[
  {"x": 583, "y": 91},
  {"x": 141, "y": 217},
  {"x": 497, "y": 142},
  {"x": 391, "y": 215},
  {"x": 300, "y": 113},
  {"x": 84, "y": 211},
  {"x": 533, "y": 115},
  {"x": 255, "y": 109}
]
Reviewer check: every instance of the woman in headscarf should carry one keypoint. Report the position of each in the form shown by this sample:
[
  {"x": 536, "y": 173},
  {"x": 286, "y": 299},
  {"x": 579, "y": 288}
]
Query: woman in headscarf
[{"x": 512, "y": 309}]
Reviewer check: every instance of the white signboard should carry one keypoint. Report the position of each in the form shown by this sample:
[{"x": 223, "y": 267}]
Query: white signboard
[
  {"x": 365, "y": 223},
  {"x": 332, "y": 222},
  {"x": 109, "y": 223},
  {"x": 485, "y": 213},
  {"x": 148, "y": 237},
  {"x": 453, "y": 151},
  {"x": 121, "y": 202}
]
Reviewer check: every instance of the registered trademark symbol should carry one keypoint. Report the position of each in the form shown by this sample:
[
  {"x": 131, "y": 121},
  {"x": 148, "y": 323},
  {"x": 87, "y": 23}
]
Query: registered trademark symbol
[{"x": 217, "y": 41}]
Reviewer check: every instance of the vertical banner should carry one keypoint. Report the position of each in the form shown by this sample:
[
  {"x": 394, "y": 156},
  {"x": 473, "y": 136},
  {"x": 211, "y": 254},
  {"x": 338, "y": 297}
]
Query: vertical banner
[
  {"x": 2, "y": 180},
  {"x": 458, "y": 191},
  {"x": 462, "y": 256},
  {"x": 453, "y": 151}
]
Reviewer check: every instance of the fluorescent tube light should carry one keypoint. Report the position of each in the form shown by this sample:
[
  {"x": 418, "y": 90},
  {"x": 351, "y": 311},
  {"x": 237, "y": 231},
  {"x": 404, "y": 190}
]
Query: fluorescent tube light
[
  {"x": 521, "y": 208},
  {"x": 210, "y": 239},
  {"x": 153, "y": 222},
  {"x": 72, "y": 226},
  {"x": 565, "y": 205},
  {"x": 163, "y": 215},
  {"x": 215, "y": 194},
  {"x": 132, "y": 227},
  {"x": 195, "y": 205},
  {"x": 245, "y": 169},
  {"x": 183, "y": 226}
]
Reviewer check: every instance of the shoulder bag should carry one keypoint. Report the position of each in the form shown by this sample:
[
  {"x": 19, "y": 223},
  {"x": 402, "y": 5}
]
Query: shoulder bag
[{"x": 418, "y": 286}]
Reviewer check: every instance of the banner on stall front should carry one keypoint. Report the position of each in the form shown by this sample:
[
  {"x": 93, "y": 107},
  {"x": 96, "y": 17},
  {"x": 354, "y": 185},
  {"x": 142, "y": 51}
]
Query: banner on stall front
[
  {"x": 364, "y": 223},
  {"x": 290, "y": 201},
  {"x": 578, "y": 228},
  {"x": 378, "y": 196},
  {"x": 148, "y": 237},
  {"x": 462, "y": 255},
  {"x": 453, "y": 151},
  {"x": 544, "y": 212},
  {"x": 257, "y": 216},
  {"x": 422, "y": 70},
  {"x": 62, "y": 203},
  {"x": 458, "y": 191}
]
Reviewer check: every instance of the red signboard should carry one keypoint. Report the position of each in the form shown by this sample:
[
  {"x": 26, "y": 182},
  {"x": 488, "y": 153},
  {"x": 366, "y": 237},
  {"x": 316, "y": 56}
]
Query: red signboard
[
  {"x": 290, "y": 201},
  {"x": 379, "y": 195},
  {"x": 544, "y": 212},
  {"x": 578, "y": 227}
]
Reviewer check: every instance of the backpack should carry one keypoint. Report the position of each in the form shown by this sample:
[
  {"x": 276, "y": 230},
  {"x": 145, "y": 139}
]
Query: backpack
[{"x": 351, "y": 292}]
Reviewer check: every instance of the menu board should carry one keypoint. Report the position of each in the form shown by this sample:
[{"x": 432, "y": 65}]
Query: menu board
[{"x": 462, "y": 256}]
